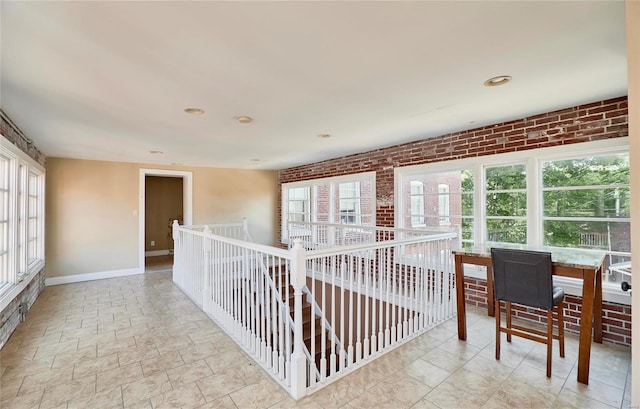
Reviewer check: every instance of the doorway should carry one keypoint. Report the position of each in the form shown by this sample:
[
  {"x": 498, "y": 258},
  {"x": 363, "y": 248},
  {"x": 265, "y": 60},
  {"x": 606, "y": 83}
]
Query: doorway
[
  {"x": 165, "y": 196},
  {"x": 163, "y": 205}
]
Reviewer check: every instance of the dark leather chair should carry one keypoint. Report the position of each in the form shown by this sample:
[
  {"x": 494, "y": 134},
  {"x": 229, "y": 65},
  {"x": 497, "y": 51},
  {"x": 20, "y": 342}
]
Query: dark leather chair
[{"x": 525, "y": 278}]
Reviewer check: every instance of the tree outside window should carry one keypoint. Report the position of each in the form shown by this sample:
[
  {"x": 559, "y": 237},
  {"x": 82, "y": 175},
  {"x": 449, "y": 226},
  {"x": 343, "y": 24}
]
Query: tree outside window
[
  {"x": 506, "y": 203},
  {"x": 586, "y": 202}
]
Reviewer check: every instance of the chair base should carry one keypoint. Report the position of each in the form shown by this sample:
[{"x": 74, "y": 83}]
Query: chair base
[{"x": 544, "y": 337}]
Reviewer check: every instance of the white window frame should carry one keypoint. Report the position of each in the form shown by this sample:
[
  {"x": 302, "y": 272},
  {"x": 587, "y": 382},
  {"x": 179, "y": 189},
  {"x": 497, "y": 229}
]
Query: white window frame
[
  {"x": 22, "y": 263},
  {"x": 306, "y": 203},
  {"x": 418, "y": 170},
  {"x": 332, "y": 183},
  {"x": 416, "y": 204},
  {"x": 443, "y": 204},
  {"x": 533, "y": 159},
  {"x": 526, "y": 191},
  {"x": 345, "y": 203},
  {"x": 544, "y": 218}
]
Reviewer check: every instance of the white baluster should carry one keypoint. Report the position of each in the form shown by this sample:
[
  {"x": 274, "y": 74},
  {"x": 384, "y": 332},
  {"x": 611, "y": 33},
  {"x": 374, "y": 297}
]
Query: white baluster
[
  {"x": 325, "y": 331},
  {"x": 358, "y": 283},
  {"x": 332, "y": 357},
  {"x": 350, "y": 357}
]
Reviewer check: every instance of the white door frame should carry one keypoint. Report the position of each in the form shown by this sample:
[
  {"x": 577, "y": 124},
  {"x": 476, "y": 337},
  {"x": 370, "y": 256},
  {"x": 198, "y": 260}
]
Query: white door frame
[{"x": 187, "y": 203}]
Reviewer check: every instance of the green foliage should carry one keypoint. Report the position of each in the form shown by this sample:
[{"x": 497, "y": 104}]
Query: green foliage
[
  {"x": 595, "y": 199},
  {"x": 506, "y": 204},
  {"x": 506, "y": 177}
]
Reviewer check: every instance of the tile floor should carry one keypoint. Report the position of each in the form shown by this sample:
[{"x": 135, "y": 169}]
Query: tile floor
[{"x": 139, "y": 342}]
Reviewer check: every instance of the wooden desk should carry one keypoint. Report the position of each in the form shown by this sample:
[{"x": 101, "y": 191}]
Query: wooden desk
[{"x": 575, "y": 263}]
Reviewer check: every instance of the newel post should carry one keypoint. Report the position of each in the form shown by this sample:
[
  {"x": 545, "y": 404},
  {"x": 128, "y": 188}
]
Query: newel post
[
  {"x": 206, "y": 253},
  {"x": 245, "y": 229},
  {"x": 174, "y": 232},
  {"x": 298, "y": 359},
  {"x": 178, "y": 272}
]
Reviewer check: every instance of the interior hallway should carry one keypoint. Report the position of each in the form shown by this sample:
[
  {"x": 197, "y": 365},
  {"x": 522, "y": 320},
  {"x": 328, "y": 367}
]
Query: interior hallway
[{"x": 139, "y": 342}]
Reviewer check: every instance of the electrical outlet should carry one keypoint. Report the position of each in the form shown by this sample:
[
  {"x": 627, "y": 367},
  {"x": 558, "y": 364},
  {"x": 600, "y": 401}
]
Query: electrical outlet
[{"x": 153, "y": 243}]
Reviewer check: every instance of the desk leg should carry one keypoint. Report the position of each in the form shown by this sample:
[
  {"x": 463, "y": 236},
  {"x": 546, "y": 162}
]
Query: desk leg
[
  {"x": 597, "y": 309},
  {"x": 490, "y": 298},
  {"x": 460, "y": 299},
  {"x": 586, "y": 319}
]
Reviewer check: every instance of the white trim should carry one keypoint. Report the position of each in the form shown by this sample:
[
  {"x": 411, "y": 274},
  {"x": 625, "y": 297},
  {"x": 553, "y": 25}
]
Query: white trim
[
  {"x": 20, "y": 167},
  {"x": 157, "y": 253},
  {"x": 187, "y": 203},
  {"x": 10, "y": 147},
  {"x": 331, "y": 181},
  {"x": 611, "y": 291},
  {"x": 77, "y": 278},
  {"x": 16, "y": 289}
]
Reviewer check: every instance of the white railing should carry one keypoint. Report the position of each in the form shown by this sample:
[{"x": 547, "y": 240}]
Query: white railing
[
  {"x": 316, "y": 235},
  {"x": 311, "y": 316},
  {"x": 188, "y": 263},
  {"x": 238, "y": 231}
]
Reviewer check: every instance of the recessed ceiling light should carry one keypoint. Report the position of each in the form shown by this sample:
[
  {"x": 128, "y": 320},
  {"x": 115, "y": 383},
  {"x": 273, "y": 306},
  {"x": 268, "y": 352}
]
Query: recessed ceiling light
[
  {"x": 156, "y": 152},
  {"x": 324, "y": 135},
  {"x": 194, "y": 111},
  {"x": 243, "y": 119},
  {"x": 499, "y": 80}
]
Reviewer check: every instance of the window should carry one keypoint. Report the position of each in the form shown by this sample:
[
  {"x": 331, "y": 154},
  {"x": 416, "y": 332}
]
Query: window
[
  {"x": 438, "y": 198},
  {"x": 34, "y": 227},
  {"x": 21, "y": 242},
  {"x": 299, "y": 205},
  {"x": 564, "y": 196},
  {"x": 4, "y": 221},
  {"x": 417, "y": 203},
  {"x": 506, "y": 203},
  {"x": 344, "y": 199},
  {"x": 349, "y": 203},
  {"x": 443, "y": 204},
  {"x": 21, "y": 219},
  {"x": 586, "y": 203}
]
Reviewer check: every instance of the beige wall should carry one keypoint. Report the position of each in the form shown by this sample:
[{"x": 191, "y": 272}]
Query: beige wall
[
  {"x": 228, "y": 195},
  {"x": 92, "y": 223},
  {"x": 163, "y": 204}
]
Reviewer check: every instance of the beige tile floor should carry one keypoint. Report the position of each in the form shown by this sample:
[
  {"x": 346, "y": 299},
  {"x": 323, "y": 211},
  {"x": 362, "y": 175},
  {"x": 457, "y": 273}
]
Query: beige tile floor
[{"x": 139, "y": 342}]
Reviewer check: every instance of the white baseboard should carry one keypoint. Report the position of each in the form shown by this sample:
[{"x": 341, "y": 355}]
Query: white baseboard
[
  {"x": 156, "y": 253},
  {"x": 76, "y": 278}
]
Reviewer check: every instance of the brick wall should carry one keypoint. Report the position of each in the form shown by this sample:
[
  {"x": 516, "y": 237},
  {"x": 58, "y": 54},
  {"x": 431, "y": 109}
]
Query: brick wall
[
  {"x": 10, "y": 317},
  {"x": 12, "y": 134},
  {"x": 616, "y": 318},
  {"x": 583, "y": 123}
]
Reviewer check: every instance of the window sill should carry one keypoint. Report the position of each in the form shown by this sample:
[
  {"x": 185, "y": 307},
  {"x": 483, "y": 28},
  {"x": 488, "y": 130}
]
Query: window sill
[
  {"x": 12, "y": 291},
  {"x": 611, "y": 291}
]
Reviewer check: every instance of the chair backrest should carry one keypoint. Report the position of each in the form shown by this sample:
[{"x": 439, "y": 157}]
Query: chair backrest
[{"x": 523, "y": 277}]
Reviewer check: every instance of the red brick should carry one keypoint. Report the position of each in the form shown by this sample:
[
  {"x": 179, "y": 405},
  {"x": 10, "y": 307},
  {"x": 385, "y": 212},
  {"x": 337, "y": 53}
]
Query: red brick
[
  {"x": 622, "y": 331},
  {"x": 590, "y": 118},
  {"x": 617, "y": 315},
  {"x": 547, "y": 119}
]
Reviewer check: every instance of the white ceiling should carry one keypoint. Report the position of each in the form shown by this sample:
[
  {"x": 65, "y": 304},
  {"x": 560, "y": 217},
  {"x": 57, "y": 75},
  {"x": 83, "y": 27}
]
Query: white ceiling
[{"x": 110, "y": 80}]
